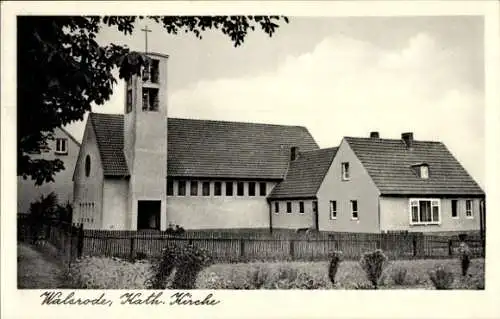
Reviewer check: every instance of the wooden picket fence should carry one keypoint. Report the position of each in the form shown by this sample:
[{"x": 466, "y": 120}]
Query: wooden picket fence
[{"x": 226, "y": 246}]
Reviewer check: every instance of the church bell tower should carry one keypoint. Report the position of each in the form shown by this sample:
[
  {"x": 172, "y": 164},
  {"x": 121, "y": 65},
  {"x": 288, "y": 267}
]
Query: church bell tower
[{"x": 145, "y": 144}]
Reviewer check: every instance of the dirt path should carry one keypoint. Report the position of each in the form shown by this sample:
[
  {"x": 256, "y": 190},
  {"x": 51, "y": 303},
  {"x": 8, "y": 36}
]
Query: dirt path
[{"x": 36, "y": 270}]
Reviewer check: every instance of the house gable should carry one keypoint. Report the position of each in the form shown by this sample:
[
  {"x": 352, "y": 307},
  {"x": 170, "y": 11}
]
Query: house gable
[{"x": 358, "y": 187}]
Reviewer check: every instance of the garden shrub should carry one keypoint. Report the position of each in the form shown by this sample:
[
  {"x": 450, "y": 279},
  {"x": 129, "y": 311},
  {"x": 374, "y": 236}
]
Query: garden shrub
[
  {"x": 441, "y": 277},
  {"x": 398, "y": 275},
  {"x": 187, "y": 260},
  {"x": 335, "y": 260},
  {"x": 109, "y": 273},
  {"x": 464, "y": 255},
  {"x": 373, "y": 264}
]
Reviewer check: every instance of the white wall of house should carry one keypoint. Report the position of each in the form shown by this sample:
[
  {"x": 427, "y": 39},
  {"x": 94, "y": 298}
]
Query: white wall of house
[
  {"x": 62, "y": 186},
  {"x": 295, "y": 219},
  {"x": 216, "y": 212},
  {"x": 395, "y": 215},
  {"x": 88, "y": 189},
  {"x": 359, "y": 187}
]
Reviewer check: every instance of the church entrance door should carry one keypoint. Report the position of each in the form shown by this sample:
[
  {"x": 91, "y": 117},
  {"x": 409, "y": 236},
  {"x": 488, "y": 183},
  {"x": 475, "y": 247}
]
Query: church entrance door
[{"x": 148, "y": 214}]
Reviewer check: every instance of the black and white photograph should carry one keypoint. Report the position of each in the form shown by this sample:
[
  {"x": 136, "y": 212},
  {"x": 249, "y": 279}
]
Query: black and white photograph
[{"x": 169, "y": 154}]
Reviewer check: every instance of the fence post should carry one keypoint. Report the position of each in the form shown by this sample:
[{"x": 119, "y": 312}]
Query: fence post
[
  {"x": 132, "y": 246},
  {"x": 80, "y": 241},
  {"x": 242, "y": 248},
  {"x": 450, "y": 247},
  {"x": 292, "y": 248}
]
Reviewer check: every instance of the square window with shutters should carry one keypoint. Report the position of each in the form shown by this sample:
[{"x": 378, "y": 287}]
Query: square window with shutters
[
  {"x": 276, "y": 207},
  {"x": 61, "y": 146},
  {"x": 301, "y": 207},
  {"x": 289, "y": 207},
  {"x": 240, "y": 188},
  {"x": 345, "y": 171},
  {"x": 206, "y": 188},
  {"x": 425, "y": 211},
  {"x": 181, "y": 188},
  {"x": 354, "y": 210},
  {"x": 468, "y": 209},
  {"x": 333, "y": 209},
  {"x": 251, "y": 188},
  {"x": 217, "y": 189},
  {"x": 194, "y": 188},
  {"x": 262, "y": 189},
  {"x": 229, "y": 188},
  {"x": 454, "y": 208}
]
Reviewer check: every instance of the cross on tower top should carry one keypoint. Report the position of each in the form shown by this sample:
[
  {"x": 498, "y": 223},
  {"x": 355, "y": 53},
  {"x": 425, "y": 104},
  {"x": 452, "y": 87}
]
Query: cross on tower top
[{"x": 146, "y": 30}]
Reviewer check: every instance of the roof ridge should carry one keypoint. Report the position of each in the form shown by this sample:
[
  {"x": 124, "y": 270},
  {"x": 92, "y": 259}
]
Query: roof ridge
[
  {"x": 388, "y": 139},
  {"x": 236, "y": 122}
]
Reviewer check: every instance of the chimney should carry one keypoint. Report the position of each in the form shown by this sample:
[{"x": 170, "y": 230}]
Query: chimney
[
  {"x": 294, "y": 153},
  {"x": 374, "y": 135},
  {"x": 408, "y": 139}
]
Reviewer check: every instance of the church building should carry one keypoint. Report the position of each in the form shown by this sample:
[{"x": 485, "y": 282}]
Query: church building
[{"x": 143, "y": 170}]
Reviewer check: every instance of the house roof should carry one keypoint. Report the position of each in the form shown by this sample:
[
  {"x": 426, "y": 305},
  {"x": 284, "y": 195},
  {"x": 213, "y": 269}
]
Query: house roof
[
  {"x": 391, "y": 166},
  {"x": 108, "y": 130},
  {"x": 212, "y": 149},
  {"x": 305, "y": 174}
]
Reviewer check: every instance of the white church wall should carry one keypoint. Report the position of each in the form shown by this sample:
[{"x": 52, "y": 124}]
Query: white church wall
[
  {"x": 115, "y": 210},
  {"x": 205, "y": 212},
  {"x": 88, "y": 190}
]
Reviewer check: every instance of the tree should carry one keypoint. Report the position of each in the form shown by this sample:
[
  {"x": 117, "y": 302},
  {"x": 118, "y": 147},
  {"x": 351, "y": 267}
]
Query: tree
[{"x": 62, "y": 71}]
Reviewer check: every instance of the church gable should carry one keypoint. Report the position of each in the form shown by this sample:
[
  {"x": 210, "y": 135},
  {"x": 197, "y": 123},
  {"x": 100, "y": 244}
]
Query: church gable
[{"x": 89, "y": 148}]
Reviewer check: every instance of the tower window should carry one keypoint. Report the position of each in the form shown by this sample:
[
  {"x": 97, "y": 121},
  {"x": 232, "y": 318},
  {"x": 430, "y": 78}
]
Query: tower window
[
  {"x": 150, "y": 99},
  {"x": 155, "y": 71}
]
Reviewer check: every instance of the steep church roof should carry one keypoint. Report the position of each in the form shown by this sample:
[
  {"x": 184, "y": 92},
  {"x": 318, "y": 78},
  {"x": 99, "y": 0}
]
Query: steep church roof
[
  {"x": 390, "y": 163},
  {"x": 108, "y": 130},
  {"x": 305, "y": 174},
  {"x": 211, "y": 149}
]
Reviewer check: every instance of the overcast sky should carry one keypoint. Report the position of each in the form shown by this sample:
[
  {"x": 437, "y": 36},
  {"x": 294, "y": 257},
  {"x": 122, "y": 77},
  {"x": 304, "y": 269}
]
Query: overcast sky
[{"x": 336, "y": 76}]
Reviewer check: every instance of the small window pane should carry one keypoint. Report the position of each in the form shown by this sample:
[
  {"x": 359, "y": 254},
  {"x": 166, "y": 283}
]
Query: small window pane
[
  {"x": 288, "y": 207},
  {"x": 229, "y": 188},
  {"x": 194, "y": 188},
  {"x": 251, "y": 189},
  {"x": 435, "y": 213},
  {"x": 217, "y": 188},
  {"x": 170, "y": 187},
  {"x": 206, "y": 188},
  {"x": 414, "y": 214},
  {"x": 240, "y": 188},
  {"x": 301, "y": 207},
  {"x": 454, "y": 211},
  {"x": 262, "y": 188},
  {"x": 182, "y": 188},
  {"x": 276, "y": 207}
]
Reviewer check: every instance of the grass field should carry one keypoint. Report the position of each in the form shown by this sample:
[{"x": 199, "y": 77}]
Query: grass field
[{"x": 313, "y": 275}]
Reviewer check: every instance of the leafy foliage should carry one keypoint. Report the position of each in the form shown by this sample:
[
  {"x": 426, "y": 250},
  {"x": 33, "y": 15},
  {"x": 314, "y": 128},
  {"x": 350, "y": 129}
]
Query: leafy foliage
[
  {"x": 398, "y": 275},
  {"x": 441, "y": 277},
  {"x": 62, "y": 71},
  {"x": 187, "y": 261},
  {"x": 334, "y": 265},
  {"x": 373, "y": 264}
]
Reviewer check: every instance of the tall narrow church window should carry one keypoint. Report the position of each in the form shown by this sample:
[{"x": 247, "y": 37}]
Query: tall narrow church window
[
  {"x": 229, "y": 188},
  {"x": 206, "y": 188},
  {"x": 170, "y": 187},
  {"x": 251, "y": 188},
  {"x": 194, "y": 188},
  {"x": 262, "y": 188},
  {"x": 87, "y": 166},
  {"x": 240, "y": 189},
  {"x": 129, "y": 101},
  {"x": 217, "y": 188},
  {"x": 289, "y": 207},
  {"x": 181, "y": 191},
  {"x": 150, "y": 100}
]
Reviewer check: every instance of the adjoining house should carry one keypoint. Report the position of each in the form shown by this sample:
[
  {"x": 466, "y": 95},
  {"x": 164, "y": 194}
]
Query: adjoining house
[
  {"x": 382, "y": 185},
  {"x": 64, "y": 147}
]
